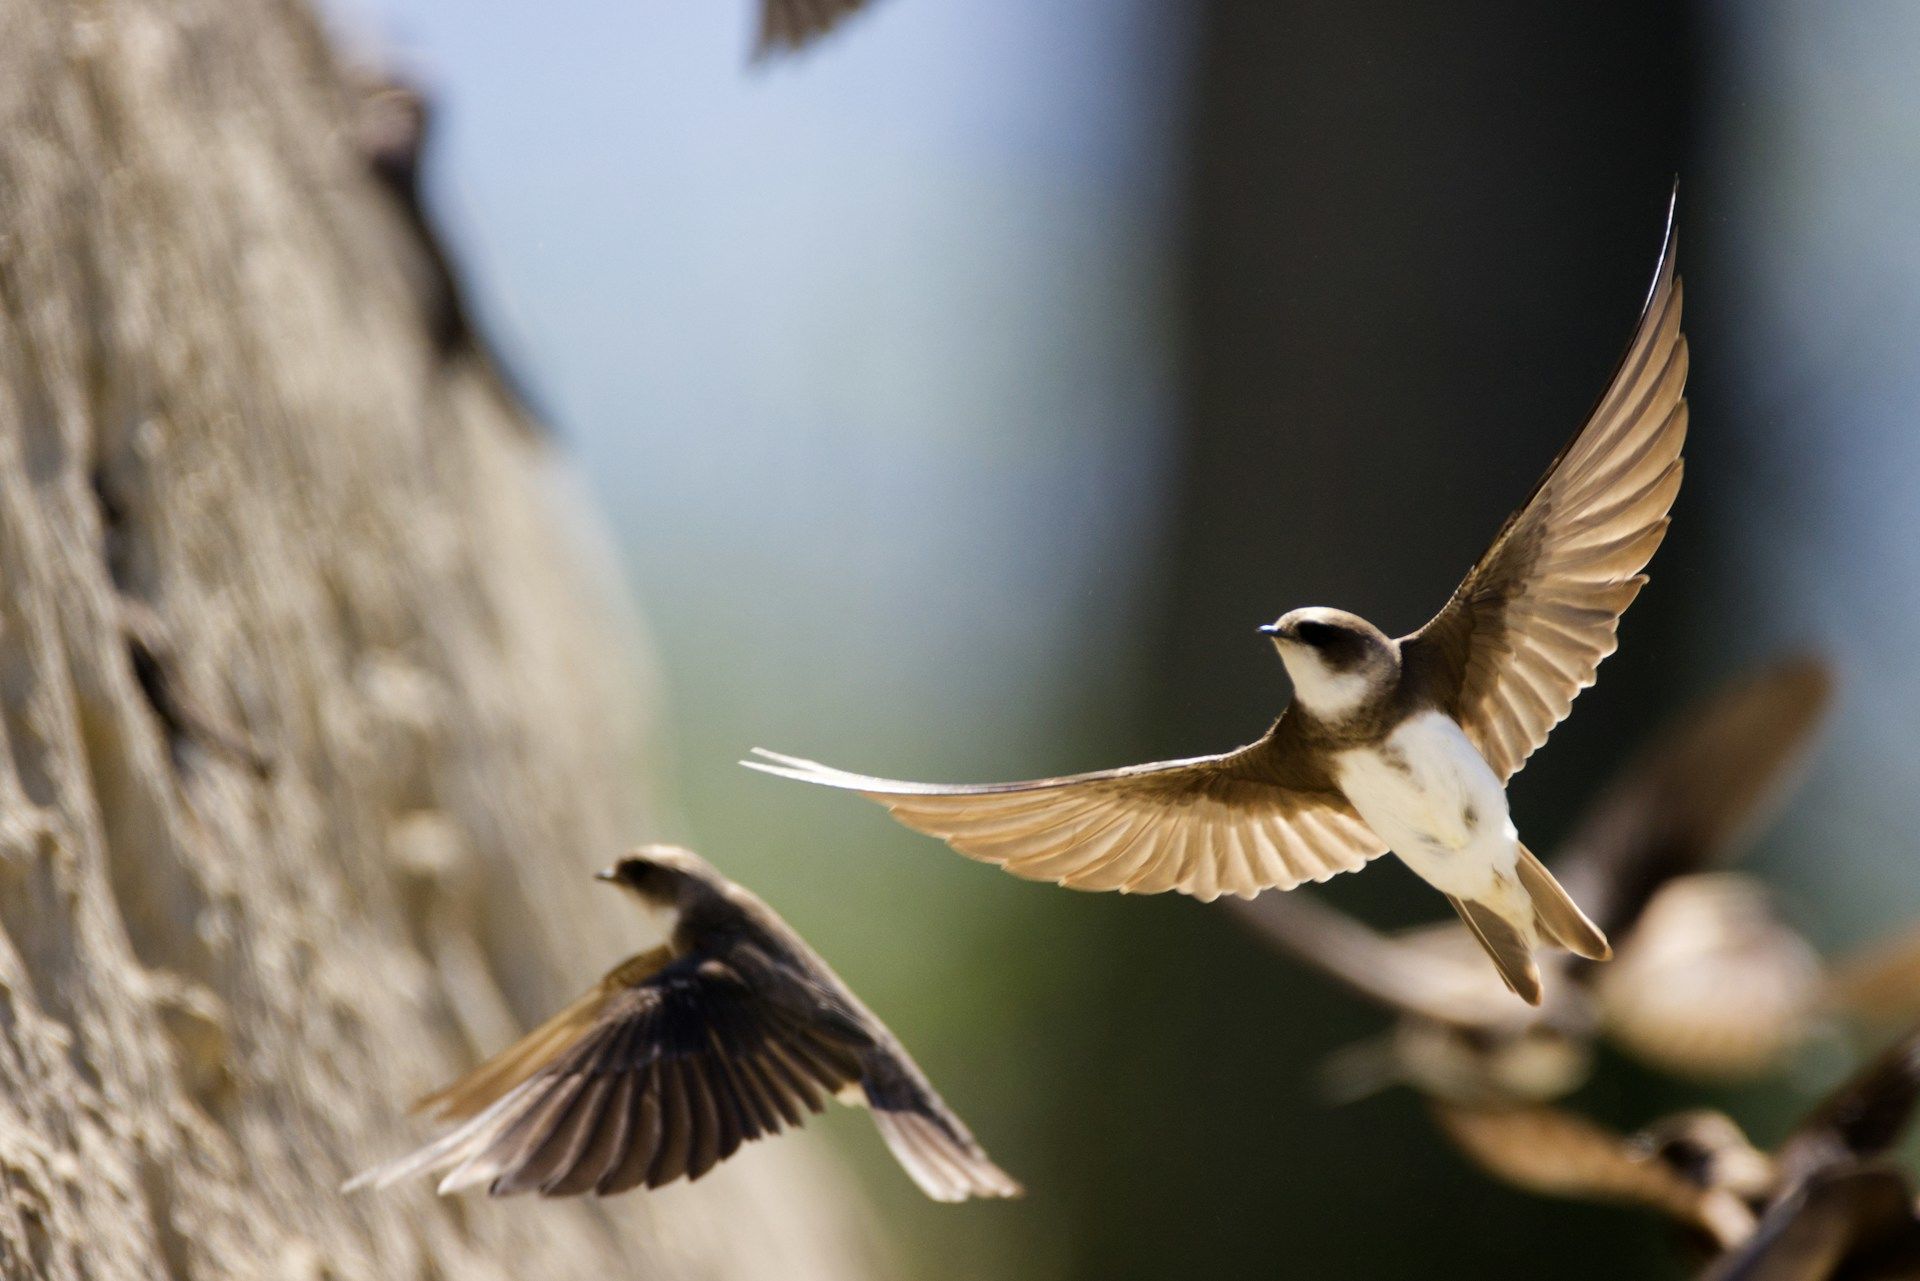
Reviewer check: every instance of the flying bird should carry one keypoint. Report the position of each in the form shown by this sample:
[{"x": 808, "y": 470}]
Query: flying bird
[
  {"x": 732, "y": 1031},
  {"x": 1707, "y": 983},
  {"x": 787, "y": 25},
  {"x": 1403, "y": 744},
  {"x": 1699, "y": 1169}
]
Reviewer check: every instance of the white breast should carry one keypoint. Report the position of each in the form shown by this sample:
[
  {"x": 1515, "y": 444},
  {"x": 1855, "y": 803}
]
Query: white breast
[{"x": 1430, "y": 796}]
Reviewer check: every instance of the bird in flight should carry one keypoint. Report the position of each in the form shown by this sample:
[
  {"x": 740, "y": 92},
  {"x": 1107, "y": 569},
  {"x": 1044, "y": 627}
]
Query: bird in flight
[
  {"x": 1403, "y": 744},
  {"x": 1824, "y": 1198},
  {"x": 1708, "y": 982},
  {"x": 732, "y": 1031},
  {"x": 787, "y": 25}
]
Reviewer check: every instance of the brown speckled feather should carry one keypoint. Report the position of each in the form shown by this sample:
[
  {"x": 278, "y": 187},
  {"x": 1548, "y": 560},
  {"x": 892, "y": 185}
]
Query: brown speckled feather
[{"x": 1526, "y": 630}]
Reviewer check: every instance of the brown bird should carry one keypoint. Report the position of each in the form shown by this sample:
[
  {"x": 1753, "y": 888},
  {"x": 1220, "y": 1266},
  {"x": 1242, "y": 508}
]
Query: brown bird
[
  {"x": 1400, "y": 744},
  {"x": 786, "y": 25},
  {"x": 1700, "y": 1169},
  {"x": 1707, "y": 981},
  {"x": 732, "y": 1031}
]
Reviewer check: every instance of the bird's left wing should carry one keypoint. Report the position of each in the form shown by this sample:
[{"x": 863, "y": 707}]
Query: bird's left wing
[
  {"x": 1551, "y": 1152},
  {"x": 1258, "y": 818},
  {"x": 660, "y": 1073},
  {"x": 1526, "y": 630}
]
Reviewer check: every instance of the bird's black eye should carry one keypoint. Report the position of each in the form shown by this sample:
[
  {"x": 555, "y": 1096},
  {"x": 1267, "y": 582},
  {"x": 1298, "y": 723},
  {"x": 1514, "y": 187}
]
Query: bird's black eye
[{"x": 1318, "y": 635}]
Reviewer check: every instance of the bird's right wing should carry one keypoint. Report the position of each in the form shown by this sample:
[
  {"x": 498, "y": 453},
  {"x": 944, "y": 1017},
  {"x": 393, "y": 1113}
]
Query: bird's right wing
[
  {"x": 1690, "y": 797},
  {"x": 1258, "y": 818},
  {"x": 1551, "y": 1152}
]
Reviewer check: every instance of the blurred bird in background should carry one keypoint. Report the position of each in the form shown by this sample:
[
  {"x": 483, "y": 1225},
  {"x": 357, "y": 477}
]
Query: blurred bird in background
[
  {"x": 787, "y": 25},
  {"x": 732, "y": 1031},
  {"x": 1404, "y": 744},
  {"x": 1820, "y": 1206}
]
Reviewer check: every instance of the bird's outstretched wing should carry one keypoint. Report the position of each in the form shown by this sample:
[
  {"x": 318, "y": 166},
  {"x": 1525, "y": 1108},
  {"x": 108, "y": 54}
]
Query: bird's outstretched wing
[
  {"x": 1258, "y": 818},
  {"x": 1551, "y": 1152},
  {"x": 662, "y": 1071},
  {"x": 1526, "y": 630},
  {"x": 786, "y": 25},
  {"x": 1696, "y": 792},
  {"x": 1853, "y": 1223}
]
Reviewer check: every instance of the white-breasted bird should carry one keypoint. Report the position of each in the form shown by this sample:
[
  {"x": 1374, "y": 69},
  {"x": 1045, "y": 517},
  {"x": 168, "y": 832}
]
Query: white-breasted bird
[{"x": 1403, "y": 744}]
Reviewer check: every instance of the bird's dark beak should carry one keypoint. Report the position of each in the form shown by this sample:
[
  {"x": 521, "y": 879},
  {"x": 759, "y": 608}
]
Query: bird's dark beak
[
  {"x": 607, "y": 874},
  {"x": 1274, "y": 630}
]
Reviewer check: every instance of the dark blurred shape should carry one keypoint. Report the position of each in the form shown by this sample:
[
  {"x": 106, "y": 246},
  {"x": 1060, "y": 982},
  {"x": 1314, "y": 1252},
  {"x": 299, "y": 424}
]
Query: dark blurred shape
[
  {"x": 392, "y": 124},
  {"x": 183, "y": 717},
  {"x": 786, "y": 25},
  {"x": 1848, "y": 1225}
]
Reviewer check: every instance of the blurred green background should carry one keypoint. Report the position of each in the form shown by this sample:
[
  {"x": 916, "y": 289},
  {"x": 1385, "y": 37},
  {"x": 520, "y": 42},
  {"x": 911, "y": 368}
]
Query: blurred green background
[{"x": 964, "y": 391}]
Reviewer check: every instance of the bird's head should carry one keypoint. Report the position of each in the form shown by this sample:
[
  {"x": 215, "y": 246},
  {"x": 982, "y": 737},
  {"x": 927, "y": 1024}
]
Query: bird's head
[
  {"x": 1708, "y": 1149},
  {"x": 1336, "y": 660},
  {"x": 662, "y": 876}
]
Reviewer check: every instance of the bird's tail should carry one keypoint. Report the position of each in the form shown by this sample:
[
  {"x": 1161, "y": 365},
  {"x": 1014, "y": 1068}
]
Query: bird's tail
[
  {"x": 1556, "y": 916},
  {"x": 1535, "y": 911},
  {"x": 1508, "y": 945},
  {"x": 931, "y": 1144}
]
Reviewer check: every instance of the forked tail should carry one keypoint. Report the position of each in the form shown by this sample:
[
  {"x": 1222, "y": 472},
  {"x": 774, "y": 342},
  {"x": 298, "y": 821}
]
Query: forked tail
[
  {"x": 1557, "y": 917},
  {"x": 1509, "y": 946}
]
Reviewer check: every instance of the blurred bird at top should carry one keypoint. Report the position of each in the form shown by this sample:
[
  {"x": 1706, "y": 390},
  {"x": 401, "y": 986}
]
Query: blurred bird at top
[
  {"x": 1822, "y": 1206},
  {"x": 1400, "y": 744},
  {"x": 733, "y": 1030},
  {"x": 786, "y": 25},
  {"x": 1707, "y": 981}
]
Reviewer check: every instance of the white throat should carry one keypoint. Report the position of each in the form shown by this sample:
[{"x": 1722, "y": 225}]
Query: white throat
[{"x": 1325, "y": 693}]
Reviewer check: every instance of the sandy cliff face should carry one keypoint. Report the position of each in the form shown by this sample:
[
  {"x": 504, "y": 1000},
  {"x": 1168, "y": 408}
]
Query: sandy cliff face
[{"x": 317, "y": 698}]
